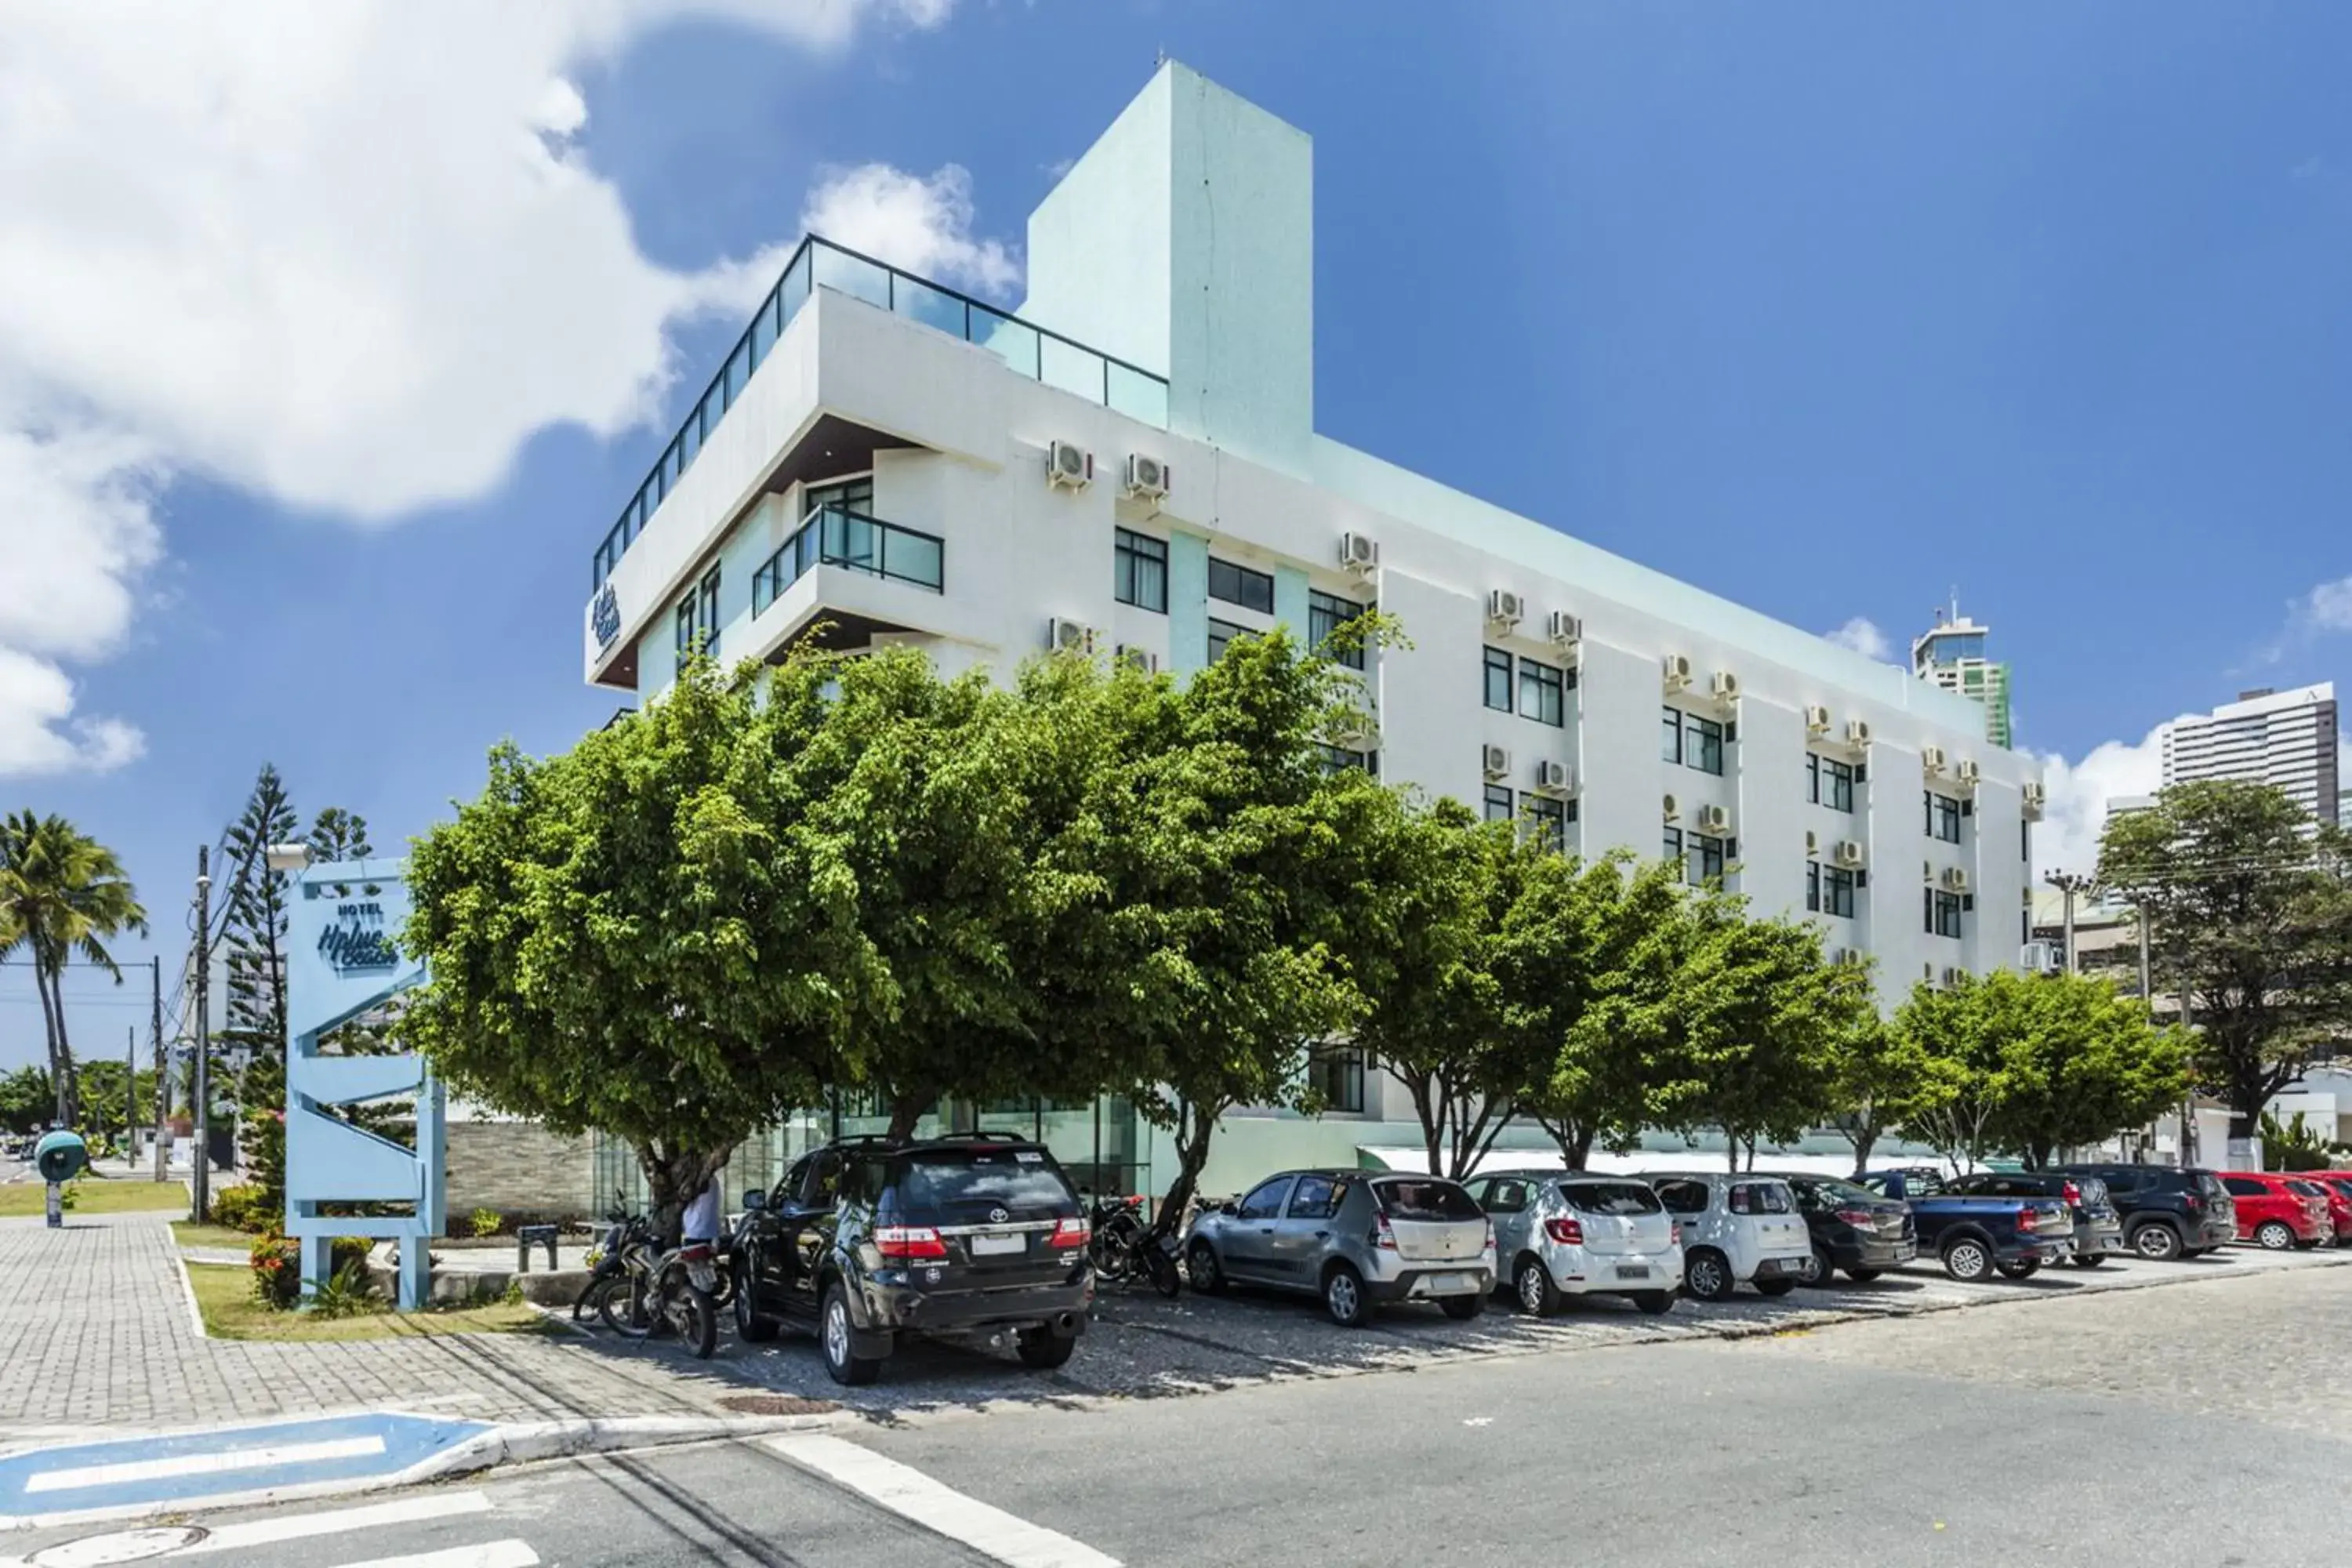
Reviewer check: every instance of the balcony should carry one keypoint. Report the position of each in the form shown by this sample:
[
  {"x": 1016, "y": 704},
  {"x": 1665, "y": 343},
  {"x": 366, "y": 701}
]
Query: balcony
[
  {"x": 835, "y": 536},
  {"x": 1025, "y": 348}
]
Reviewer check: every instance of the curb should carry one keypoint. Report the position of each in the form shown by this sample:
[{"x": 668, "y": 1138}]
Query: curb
[{"x": 514, "y": 1443}]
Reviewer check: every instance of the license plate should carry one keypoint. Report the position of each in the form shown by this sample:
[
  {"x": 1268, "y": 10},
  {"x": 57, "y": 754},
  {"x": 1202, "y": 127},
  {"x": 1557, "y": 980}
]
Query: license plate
[
  {"x": 1632, "y": 1271},
  {"x": 1451, "y": 1284},
  {"x": 1905, "y": 1253},
  {"x": 704, "y": 1277},
  {"x": 1780, "y": 1265},
  {"x": 998, "y": 1246}
]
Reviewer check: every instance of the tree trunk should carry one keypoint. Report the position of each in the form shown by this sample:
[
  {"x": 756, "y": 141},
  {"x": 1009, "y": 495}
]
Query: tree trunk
[
  {"x": 50, "y": 1036},
  {"x": 69, "y": 1088},
  {"x": 907, "y": 1111},
  {"x": 1864, "y": 1139},
  {"x": 1194, "y": 1124},
  {"x": 1731, "y": 1149},
  {"x": 673, "y": 1177},
  {"x": 1575, "y": 1143}
]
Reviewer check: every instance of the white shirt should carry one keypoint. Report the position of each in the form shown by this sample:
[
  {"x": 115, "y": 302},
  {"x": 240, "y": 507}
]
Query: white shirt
[{"x": 700, "y": 1221}]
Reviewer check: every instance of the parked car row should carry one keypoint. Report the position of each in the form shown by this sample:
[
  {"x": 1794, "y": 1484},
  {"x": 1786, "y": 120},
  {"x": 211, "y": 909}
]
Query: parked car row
[{"x": 984, "y": 1237}]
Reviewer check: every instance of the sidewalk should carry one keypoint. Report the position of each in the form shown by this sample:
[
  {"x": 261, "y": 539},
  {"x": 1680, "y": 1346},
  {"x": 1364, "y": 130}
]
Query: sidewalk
[{"x": 101, "y": 1338}]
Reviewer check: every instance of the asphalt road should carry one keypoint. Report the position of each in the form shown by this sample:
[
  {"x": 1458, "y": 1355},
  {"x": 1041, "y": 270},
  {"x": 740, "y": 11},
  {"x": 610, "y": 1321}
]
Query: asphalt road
[{"x": 2205, "y": 1425}]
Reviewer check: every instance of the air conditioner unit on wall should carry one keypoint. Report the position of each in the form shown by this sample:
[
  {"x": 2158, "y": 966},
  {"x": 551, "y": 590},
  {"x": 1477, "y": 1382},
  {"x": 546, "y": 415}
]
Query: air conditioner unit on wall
[
  {"x": 1967, "y": 773},
  {"x": 2038, "y": 958},
  {"x": 1555, "y": 777},
  {"x": 1566, "y": 628},
  {"x": 1676, "y": 669},
  {"x": 1857, "y": 733},
  {"x": 1724, "y": 686},
  {"x": 1068, "y": 636},
  {"x": 1496, "y": 761},
  {"x": 1713, "y": 820},
  {"x": 1817, "y": 719},
  {"x": 1504, "y": 608},
  {"x": 1812, "y": 843},
  {"x": 1359, "y": 554},
  {"x": 1674, "y": 808},
  {"x": 1852, "y": 957},
  {"x": 1954, "y": 974},
  {"x": 1147, "y": 477},
  {"x": 1956, "y": 880},
  {"x": 1931, "y": 759},
  {"x": 1069, "y": 466},
  {"x": 2035, "y": 799},
  {"x": 1849, "y": 853}
]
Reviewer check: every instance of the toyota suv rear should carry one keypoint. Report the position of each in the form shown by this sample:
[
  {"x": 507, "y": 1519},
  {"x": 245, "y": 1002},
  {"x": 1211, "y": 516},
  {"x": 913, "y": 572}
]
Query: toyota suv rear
[{"x": 975, "y": 1236}]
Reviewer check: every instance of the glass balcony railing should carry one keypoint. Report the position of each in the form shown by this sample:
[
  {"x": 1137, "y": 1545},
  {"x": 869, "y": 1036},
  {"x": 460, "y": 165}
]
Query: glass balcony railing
[
  {"x": 835, "y": 536},
  {"x": 1025, "y": 348}
]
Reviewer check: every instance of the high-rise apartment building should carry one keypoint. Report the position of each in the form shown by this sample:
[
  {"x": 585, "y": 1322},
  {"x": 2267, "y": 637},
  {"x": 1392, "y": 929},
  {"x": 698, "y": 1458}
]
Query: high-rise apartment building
[
  {"x": 2283, "y": 737},
  {"x": 1128, "y": 461},
  {"x": 1952, "y": 655}
]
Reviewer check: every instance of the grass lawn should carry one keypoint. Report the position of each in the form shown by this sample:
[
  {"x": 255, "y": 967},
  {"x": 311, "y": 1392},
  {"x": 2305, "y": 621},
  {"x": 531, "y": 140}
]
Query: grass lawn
[
  {"x": 225, "y": 1296},
  {"x": 196, "y": 1233},
  {"x": 19, "y": 1198}
]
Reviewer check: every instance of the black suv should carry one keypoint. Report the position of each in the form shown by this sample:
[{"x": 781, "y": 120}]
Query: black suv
[
  {"x": 973, "y": 1235},
  {"x": 2167, "y": 1211}
]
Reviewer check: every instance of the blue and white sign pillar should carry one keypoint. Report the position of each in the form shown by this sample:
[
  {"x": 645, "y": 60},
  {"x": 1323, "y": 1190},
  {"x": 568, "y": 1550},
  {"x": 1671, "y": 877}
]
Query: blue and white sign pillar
[{"x": 342, "y": 959}]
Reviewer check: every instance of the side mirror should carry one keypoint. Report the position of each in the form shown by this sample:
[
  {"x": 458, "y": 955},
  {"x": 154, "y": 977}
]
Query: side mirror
[{"x": 753, "y": 1198}]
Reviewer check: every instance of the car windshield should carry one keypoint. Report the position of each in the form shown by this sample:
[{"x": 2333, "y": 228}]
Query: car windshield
[
  {"x": 1829, "y": 1192},
  {"x": 1424, "y": 1198},
  {"x": 1619, "y": 1198},
  {"x": 1762, "y": 1197},
  {"x": 1018, "y": 1180}
]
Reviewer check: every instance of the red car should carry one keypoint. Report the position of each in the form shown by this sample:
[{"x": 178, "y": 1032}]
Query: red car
[
  {"x": 2274, "y": 1214},
  {"x": 2337, "y": 1185}
]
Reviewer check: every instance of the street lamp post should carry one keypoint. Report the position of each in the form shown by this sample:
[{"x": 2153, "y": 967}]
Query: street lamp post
[{"x": 2071, "y": 883}]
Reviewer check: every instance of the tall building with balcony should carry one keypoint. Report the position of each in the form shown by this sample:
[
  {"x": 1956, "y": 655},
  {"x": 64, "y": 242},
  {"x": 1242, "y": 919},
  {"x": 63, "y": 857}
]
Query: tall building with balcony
[
  {"x": 1128, "y": 460},
  {"x": 1952, "y": 653},
  {"x": 2283, "y": 738}
]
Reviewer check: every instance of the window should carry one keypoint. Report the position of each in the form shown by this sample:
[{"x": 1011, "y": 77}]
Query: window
[
  {"x": 1325, "y": 614},
  {"x": 2025, "y": 842},
  {"x": 1140, "y": 573},
  {"x": 1706, "y": 859},
  {"x": 1943, "y": 818},
  {"x": 1499, "y": 804},
  {"x": 1829, "y": 782},
  {"x": 1622, "y": 1199},
  {"x": 1547, "y": 822},
  {"x": 1540, "y": 690},
  {"x": 1682, "y": 1197},
  {"x": 1837, "y": 892},
  {"x": 2244, "y": 1187},
  {"x": 1674, "y": 845},
  {"x": 1813, "y": 888},
  {"x": 851, "y": 495},
  {"x": 1424, "y": 1198},
  {"x": 1670, "y": 739},
  {"x": 1943, "y": 912},
  {"x": 1336, "y": 759},
  {"x": 1703, "y": 744},
  {"x": 1498, "y": 680},
  {"x": 1505, "y": 1195},
  {"x": 1317, "y": 1197},
  {"x": 1240, "y": 585},
  {"x": 1336, "y": 1074},
  {"x": 698, "y": 618},
  {"x": 1265, "y": 1201},
  {"x": 1221, "y": 637},
  {"x": 1762, "y": 1197}
]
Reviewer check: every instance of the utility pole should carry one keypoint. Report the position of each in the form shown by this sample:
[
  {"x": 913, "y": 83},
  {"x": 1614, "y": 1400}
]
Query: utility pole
[
  {"x": 163, "y": 1074},
  {"x": 199, "y": 1162},
  {"x": 131, "y": 1091},
  {"x": 2071, "y": 883}
]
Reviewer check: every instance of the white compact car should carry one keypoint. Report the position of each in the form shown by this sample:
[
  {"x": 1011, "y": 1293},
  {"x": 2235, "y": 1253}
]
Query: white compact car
[
  {"x": 1738, "y": 1229},
  {"x": 1567, "y": 1233}
]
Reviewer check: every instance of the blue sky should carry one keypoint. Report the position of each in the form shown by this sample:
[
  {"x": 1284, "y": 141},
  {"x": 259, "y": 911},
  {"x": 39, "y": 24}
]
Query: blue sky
[{"x": 321, "y": 374}]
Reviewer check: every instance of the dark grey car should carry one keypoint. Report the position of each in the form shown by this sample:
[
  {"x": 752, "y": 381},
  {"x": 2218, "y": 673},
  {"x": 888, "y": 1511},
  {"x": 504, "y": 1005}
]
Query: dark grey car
[{"x": 1356, "y": 1238}]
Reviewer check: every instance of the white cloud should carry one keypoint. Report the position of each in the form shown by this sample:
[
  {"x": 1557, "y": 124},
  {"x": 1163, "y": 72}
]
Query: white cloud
[
  {"x": 922, "y": 224},
  {"x": 2067, "y": 839},
  {"x": 2328, "y": 608},
  {"x": 349, "y": 261},
  {"x": 1863, "y": 636}
]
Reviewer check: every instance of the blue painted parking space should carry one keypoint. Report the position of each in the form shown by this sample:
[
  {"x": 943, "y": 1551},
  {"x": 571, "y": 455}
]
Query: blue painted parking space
[{"x": 186, "y": 1465}]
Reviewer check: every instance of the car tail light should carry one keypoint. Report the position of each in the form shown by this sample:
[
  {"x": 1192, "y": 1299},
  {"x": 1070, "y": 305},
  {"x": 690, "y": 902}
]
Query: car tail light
[
  {"x": 1490, "y": 1236},
  {"x": 1675, "y": 1232},
  {"x": 2027, "y": 1219},
  {"x": 2191, "y": 1201},
  {"x": 2072, "y": 1193},
  {"x": 1862, "y": 1219},
  {"x": 1071, "y": 1232},
  {"x": 909, "y": 1241},
  {"x": 1567, "y": 1232},
  {"x": 1382, "y": 1237}
]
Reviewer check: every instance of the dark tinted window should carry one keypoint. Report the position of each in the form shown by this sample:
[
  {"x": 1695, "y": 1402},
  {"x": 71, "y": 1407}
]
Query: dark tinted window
[
  {"x": 1317, "y": 1197},
  {"x": 1610, "y": 1198},
  {"x": 2308, "y": 1189},
  {"x": 2245, "y": 1187},
  {"x": 1682, "y": 1197},
  {"x": 1423, "y": 1197},
  {"x": 1264, "y": 1200},
  {"x": 1238, "y": 585},
  {"x": 951, "y": 1182},
  {"x": 1828, "y": 1193}
]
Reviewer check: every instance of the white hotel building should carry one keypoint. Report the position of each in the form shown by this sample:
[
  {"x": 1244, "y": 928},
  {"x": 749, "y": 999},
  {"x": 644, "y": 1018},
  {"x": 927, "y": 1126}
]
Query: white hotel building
[{"x": 882, "y": 453}]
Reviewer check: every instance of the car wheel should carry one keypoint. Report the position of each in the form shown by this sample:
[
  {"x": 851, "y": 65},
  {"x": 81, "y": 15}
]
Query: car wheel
[
  {"x": 752, "y": 1324},
  {"x": 1200, "y": 1263},
  {"x": 2157, "y": 1240},
  {"x": 1968, "y": 1259},
  {"x": 1706, "y": 1273},
  {"x": 2274, "y": 1236},
  {"x": 1657, "y": 1303},
  {"x": 1462, "y": 1309},
  {"x": 1863, "y": 1276},
  {"x": 1819, "y": 1270},
  {"x": 1537, "y": 1293},
  {"x": 837, "y": 1336},
  {"x": 1044, "y": 1349},
  {"x": 2019, "y": 1269},
  {"x": 1343, "y": 1296},
  {"x": 1780, "y": 1287},
  {"x": 2089, "y": 1259}
]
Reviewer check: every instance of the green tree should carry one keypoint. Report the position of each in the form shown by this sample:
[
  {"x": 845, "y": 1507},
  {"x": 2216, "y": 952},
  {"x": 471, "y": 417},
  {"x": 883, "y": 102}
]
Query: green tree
[
  {"x": 254, "y": 935},
  {"x": 2078, "y": 1062},
  {"x": 27, "y": 1100},
  {"x": 1960, "y": 1089},
  {"x": 1881, "y": 1079},
  {"x": 2249, "y": 905},
  {"x": 648, "y": 935},
  {"x": 2293, "y": 1145},
  {"x": 1586, "y": 964},
  {"x": 62, "y": 896},
  {"x": 103, "y": 1105}
]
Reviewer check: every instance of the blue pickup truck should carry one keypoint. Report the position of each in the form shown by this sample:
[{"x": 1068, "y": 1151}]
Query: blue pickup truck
[{"x": 1978, "y": 1236}]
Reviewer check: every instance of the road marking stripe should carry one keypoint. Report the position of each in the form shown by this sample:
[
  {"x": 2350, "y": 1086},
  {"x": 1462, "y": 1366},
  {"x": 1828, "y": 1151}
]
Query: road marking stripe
[
  {"x": 202, "y": 1464},
  {"x": 269, "y": 1531},
  {"x": 907, "y": 1491},
  {"x": 489, "y": 1554}
]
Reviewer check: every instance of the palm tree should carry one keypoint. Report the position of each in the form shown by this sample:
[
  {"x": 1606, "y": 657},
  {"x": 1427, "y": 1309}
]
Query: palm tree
[{"x": 61, "y": 893}]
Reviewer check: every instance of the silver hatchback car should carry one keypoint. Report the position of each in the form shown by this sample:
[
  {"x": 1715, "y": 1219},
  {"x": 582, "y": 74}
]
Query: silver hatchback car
[
  {"x": 1572, "y": 1234},
  {"x": 1356, "y": 1238}
]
